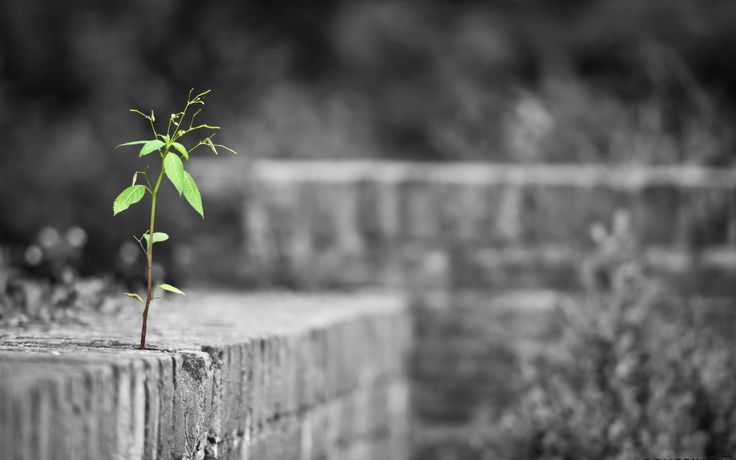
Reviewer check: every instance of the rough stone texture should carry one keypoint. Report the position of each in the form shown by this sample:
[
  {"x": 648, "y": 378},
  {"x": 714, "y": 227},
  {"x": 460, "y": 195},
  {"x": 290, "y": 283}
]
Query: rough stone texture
[
  {"x": 484, "y": 251},
  {"x": 227, "y": 376}
]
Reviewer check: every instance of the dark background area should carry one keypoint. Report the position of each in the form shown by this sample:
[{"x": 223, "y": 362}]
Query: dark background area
[{"x": 526, "y": 81}]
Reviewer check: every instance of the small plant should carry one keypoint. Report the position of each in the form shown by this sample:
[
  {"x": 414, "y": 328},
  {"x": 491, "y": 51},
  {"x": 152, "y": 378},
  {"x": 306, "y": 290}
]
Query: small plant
[{"x": 171, "y": 152}]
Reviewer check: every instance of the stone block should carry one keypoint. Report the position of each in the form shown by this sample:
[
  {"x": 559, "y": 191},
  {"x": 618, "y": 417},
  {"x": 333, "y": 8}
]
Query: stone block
[{"x": 227, "y": 387}]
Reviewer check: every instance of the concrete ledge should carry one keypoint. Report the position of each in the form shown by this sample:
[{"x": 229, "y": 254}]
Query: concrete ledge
[
  {"x": 463, "y": 173},
  {"x": 322, "y": 224},
  {"x": 227, "y": 376}
]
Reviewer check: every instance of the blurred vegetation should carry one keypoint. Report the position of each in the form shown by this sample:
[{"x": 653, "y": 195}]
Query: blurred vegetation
[
  {"x": 638, "y": 376},
  {"x": 41, "y": 284},
  {"x": 504, "y": 80}
]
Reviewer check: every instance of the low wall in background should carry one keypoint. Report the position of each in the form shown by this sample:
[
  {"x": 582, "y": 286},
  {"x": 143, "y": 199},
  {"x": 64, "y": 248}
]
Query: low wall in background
[
  {"x": 226, "y": 376},
  {"x": 484, "y": 252},
  {"x": 345, "y": 224}
]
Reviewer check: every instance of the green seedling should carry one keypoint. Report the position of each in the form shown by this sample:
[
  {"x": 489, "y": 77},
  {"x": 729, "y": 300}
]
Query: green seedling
[{"x": 173, "y": 155}]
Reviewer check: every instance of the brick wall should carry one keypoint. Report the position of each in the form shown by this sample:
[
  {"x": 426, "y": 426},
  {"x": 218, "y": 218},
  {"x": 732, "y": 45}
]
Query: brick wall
[
  {"x": 361, "y": 223},
  {"x": 227, "y": 376},
  {"x": 484, "y": 251}
]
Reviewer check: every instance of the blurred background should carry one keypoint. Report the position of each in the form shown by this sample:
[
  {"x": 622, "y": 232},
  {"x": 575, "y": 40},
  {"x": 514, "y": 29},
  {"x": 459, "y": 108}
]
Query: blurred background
[
  {"x": 499, "y": 81},
  {"x": 575, "y": 82}
]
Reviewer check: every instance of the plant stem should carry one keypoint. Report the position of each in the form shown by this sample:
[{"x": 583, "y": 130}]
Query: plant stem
[{"x": 149, "y": 258}]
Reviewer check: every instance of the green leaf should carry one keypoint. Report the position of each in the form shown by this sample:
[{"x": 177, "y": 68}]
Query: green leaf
[
  {"x": 181, "y": 149},
  {"x": 175, "y": 171},
  {"x": 191, "y": 193},
  {"x": 170, "y": 288},
  {"x": 128, "y": 197},
  {"x": 151, "y": 146},
  {"x": 157, "y": 237},
  {"x": 134, "y": 296},
  {"x": 132, "y": 143}
]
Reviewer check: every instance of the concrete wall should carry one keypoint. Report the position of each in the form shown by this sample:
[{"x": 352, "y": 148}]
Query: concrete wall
[
  {"x": 228, "y": 376},
  {"x": 485, "y": 252},
  {"x": 317, "y": 224},
  {"x": 482, "y": 252}
]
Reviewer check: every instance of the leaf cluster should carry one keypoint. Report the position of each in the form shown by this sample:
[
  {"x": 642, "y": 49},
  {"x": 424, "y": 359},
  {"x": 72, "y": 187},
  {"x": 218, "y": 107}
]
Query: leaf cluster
[{"x": 172, "y": 153}]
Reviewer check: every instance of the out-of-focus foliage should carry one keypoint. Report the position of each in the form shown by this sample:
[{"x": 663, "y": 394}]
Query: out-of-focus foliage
[
  {"x": 523, "y": 80},
  {"x": 40, "y": 283},
  {"x": 637, "y": 376}
]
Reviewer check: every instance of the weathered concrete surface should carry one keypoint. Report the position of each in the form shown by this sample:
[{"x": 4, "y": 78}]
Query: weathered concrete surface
[{"x": 231, "y": 376}]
